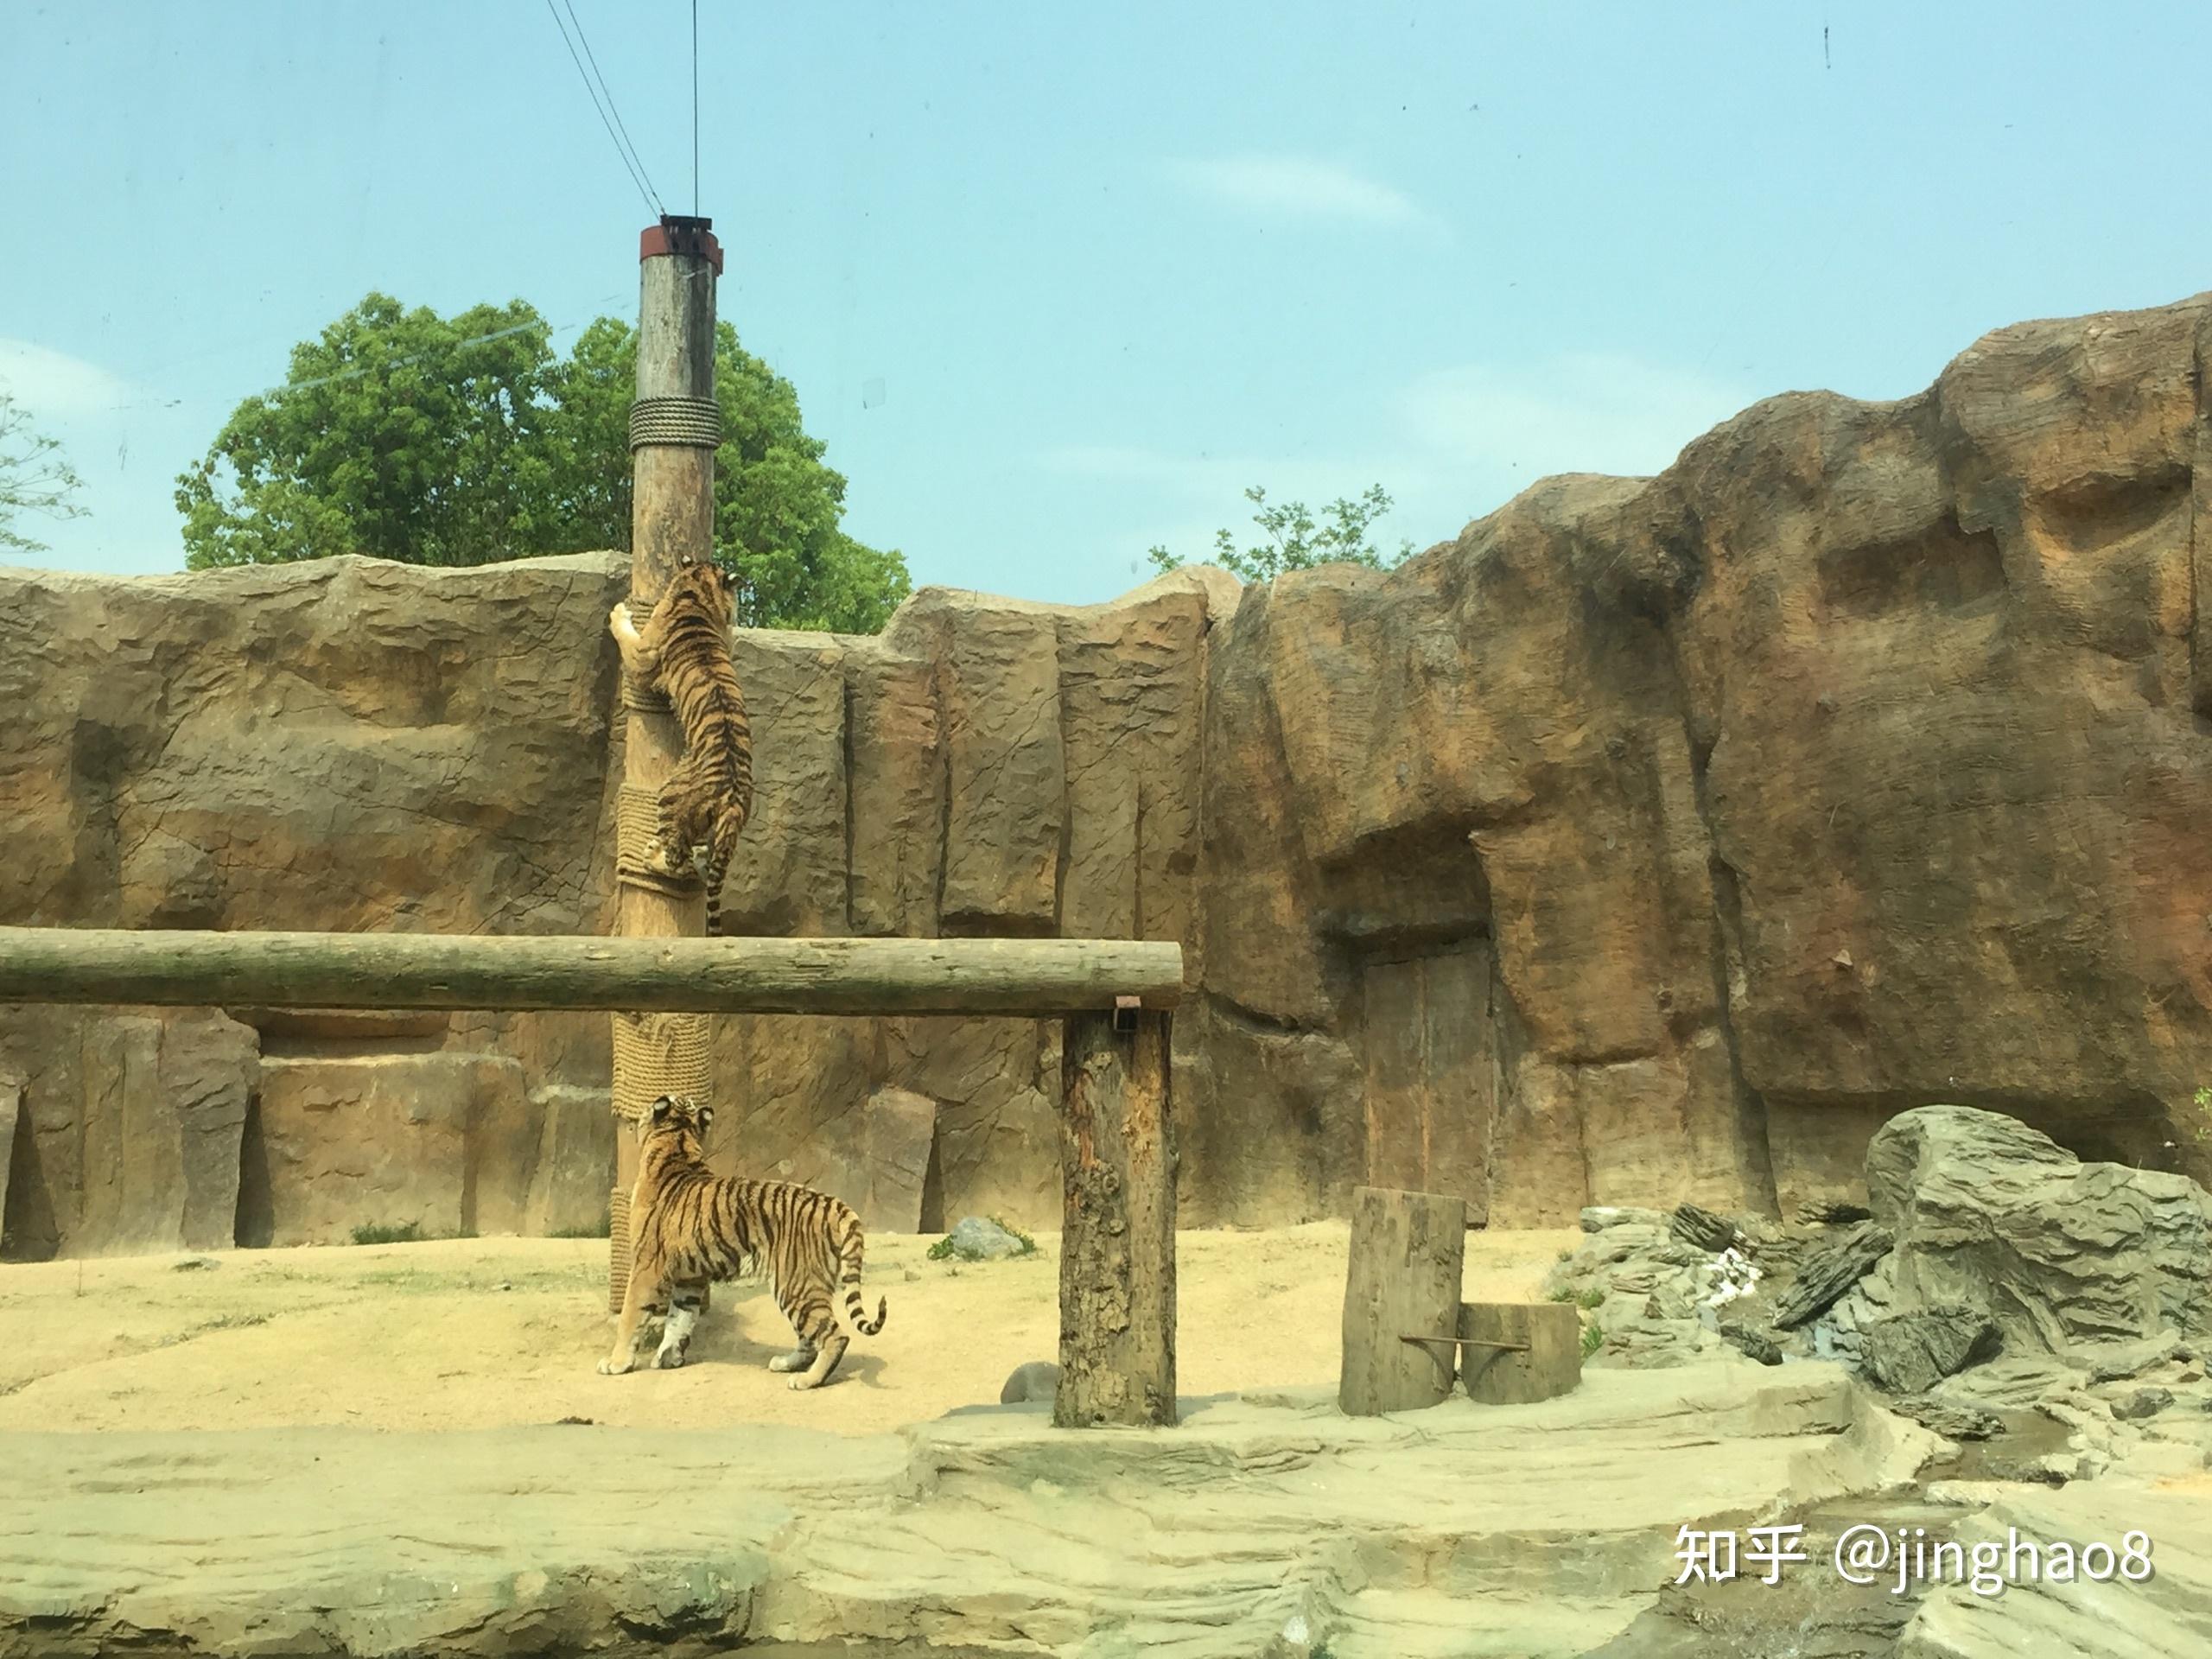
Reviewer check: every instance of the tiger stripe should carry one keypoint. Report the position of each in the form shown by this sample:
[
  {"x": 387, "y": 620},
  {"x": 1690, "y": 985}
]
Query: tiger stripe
[
  {"x": 689, "y": 1226},
  {"x": 683, "y": 652}
]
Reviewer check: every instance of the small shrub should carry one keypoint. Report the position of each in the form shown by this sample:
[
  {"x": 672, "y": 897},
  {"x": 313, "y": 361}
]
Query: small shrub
[
  {"x": 1593, "y": 1297},
  {"x": 941, "y": 1251},
  {"x": 376, "y": 1233},
  {"x": 1593, "y": 1337},
  {"x": 1564, "y": 1294}
]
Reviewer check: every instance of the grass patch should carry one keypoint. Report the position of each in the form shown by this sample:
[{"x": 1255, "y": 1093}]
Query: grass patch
[
  {"x": 603, "y": 1228},
  {"x": 376, "y": 1233},
  {"x": 941, "y": 1251},
  {"x": 1593, "y": 1338},
  {"x": 1564, "y": 1294},
  {"x": 1593, "y": 1297}
]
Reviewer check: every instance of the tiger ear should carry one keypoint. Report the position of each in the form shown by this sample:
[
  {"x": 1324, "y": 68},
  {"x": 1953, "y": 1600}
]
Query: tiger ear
[
  {"x": 663, "y": 1107},
  {"x": 706, "y": 1118}
]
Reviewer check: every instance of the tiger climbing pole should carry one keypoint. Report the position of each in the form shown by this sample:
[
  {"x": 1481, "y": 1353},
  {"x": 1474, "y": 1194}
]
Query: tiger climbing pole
[{"x": 675, "y": 427}]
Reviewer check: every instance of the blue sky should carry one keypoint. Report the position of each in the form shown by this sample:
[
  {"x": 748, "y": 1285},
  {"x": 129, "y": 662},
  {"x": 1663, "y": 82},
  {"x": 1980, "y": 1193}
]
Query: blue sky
[{"x": 1104, "y": 266}]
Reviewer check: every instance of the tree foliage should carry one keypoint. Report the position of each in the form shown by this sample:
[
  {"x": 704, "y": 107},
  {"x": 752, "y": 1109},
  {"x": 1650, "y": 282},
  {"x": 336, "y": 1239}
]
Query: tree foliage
[
  {"x": 35, "y": 477},
  {"x": 466, "y": 440},
  {"x": 1298, "y": 541}
]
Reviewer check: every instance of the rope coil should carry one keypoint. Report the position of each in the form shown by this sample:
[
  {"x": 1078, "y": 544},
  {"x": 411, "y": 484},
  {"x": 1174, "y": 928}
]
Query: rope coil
[
  {"x": 637, "y": 844},
  {"x": 617, "y": 1247},
  {"x": 641, "y": 698},
  {"x": 657, "y": 1054},
  {"x": 691, "y": 422}
]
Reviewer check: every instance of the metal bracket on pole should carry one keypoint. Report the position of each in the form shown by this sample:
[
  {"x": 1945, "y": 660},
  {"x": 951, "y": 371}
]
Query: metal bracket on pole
[
  {"x": 681, "y": 233},
  {"x": 1473, "y": 1341}
]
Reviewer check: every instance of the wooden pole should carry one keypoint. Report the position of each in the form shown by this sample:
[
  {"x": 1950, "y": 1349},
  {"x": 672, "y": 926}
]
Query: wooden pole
[
  {"x": 187, "y": 968},
  {"x": 1403, "y": 1280},
  {"x": 675, "y": 428},
  {"x": 1117, "y": 1247}
]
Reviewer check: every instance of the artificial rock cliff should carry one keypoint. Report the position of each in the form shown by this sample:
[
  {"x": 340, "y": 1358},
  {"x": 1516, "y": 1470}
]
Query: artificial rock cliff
[{"x": 1654, "y": 839}]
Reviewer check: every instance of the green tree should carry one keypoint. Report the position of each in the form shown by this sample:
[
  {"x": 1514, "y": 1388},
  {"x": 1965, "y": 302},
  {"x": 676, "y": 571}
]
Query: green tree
[
  {"x": 398, "y": 433},
  {"x": 466, "y": 440},
  {"x": 35, "y": 477},
  {"x": 1297, "y": 541}
]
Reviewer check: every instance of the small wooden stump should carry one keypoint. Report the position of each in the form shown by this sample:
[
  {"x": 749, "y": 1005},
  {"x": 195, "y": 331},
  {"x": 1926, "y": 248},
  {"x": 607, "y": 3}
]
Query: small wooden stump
[
  {"x": 1403, "y": 1280},
  {"x": 1547, "y": 1337},
  {"x": 1117, "y": 1249}
]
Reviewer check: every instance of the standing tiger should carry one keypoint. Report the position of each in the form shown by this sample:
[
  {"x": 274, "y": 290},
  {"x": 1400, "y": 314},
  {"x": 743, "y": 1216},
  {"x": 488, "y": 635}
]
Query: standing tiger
[
  {"x": 688, "y": 1225},
  {"x": 684, "y": 650}
]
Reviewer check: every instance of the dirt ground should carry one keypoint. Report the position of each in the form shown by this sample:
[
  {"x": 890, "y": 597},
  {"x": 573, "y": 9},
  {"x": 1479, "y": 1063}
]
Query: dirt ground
[{"x": 498, "y": 1332}]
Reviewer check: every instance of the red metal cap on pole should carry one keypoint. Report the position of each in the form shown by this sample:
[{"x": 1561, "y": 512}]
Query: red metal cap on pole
[{"x": 678, "y": 233}]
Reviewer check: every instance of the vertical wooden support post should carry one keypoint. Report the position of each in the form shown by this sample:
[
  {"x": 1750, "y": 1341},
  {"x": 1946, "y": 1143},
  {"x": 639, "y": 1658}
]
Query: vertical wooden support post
[
  {"x": 1117, "y": 1245},
  {"x": 1403, "y": 1280},
  {"x": 675, "y": 427},
  {"x": 11, "y": 1108}
]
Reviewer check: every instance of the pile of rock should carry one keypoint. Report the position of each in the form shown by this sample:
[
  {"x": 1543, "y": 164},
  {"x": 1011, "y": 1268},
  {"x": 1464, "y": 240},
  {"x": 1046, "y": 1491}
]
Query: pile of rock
[{"x": 1993, "y": 1274}]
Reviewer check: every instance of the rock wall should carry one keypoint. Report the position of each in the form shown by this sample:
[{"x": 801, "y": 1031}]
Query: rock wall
[
  {"x": 1655, "y": 840},
  {"x": 343, "y": 744}
]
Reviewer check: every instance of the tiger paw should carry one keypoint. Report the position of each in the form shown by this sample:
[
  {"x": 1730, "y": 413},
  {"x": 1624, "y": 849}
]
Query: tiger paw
[
  {"x": 802, "y": 1383},
  {"x": 613, "y": 1367},
  {"x": 797, "y": 1360},
  {"x": 669, "y": 1359},
  {"x": 619, "y": 618}
]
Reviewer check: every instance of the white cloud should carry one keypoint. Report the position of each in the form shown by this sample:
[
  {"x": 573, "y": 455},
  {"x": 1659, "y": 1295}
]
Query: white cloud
[
  {"x": 52, "y": 382},
  {"x": 1449, "y": 446},
  {"x": 1300, "y": 187},
  {"x": 1578, "y": 413}
]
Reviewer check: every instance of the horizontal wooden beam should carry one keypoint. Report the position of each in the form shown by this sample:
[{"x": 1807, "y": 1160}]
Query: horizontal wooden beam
[{"x": 1034, "y": 977}]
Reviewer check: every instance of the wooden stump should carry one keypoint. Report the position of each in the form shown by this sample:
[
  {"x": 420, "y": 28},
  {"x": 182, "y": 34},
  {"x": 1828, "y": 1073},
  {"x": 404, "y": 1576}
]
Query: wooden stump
[
  {"x": 1403, "y": 1280},
  {"x": 1117, "y": 1249},
  {"x": 1550, "y": 1332}
]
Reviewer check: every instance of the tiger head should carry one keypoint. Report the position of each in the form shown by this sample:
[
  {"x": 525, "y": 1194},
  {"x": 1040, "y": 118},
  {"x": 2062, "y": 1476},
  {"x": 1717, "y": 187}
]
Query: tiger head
[
  {"x": 679, "y": 1120},
  {"x": 710, "y": 585}
]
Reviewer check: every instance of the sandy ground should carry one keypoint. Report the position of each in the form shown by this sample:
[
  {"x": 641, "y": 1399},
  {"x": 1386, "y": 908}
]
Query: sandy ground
[{"x": 482, "y": 1333}]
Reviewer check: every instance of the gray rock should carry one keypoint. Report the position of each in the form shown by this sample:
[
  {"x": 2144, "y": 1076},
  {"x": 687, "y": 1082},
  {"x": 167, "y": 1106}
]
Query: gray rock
[
  {"x": 1833, "y": 1214},
  {"x": 1912, "y": 1352},
  {"x": 1829, "y": 1271},
  {"x": 1704, "y": 1230},
  {"x": 2088, "y": 1260},
  {"x": 1753, "y": 1343},
  {"x": 1599, "y": 1217},
  {"x": 2113, "y": 1361},
  {"x": 1953, "y": 1420},
  {"x": 975, "y": 1239},
  {"x": 1039, "y": 1380},
  {"x": 2012, "y": 1382},
  {"x": 2142, "y": 1403}
]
